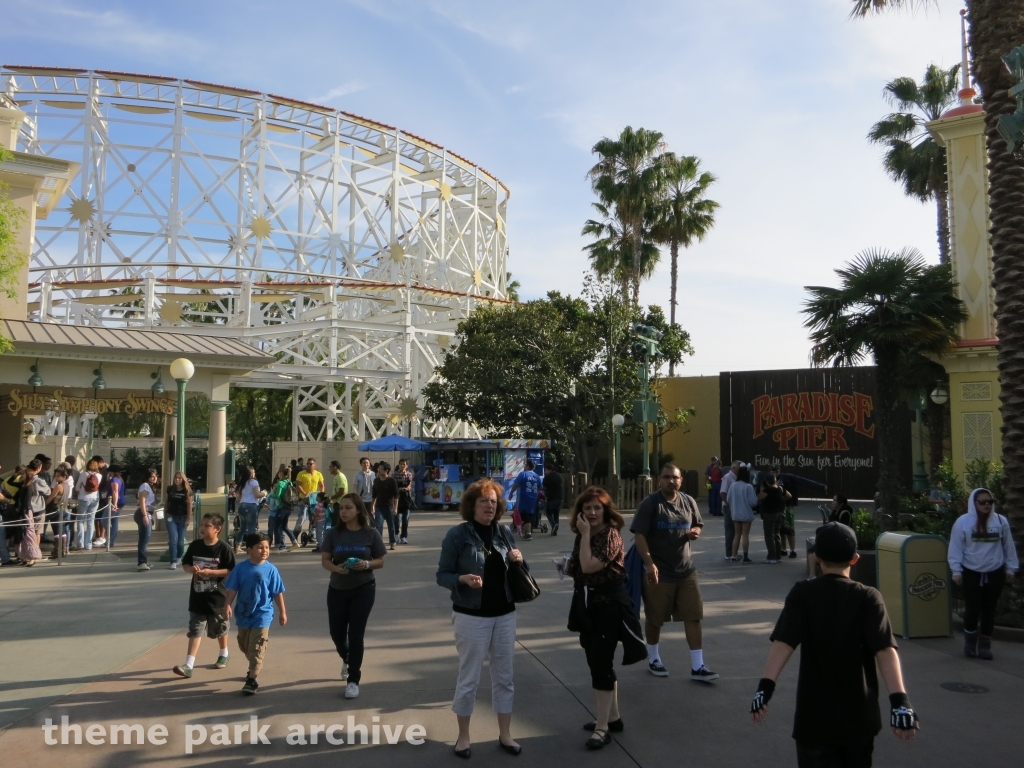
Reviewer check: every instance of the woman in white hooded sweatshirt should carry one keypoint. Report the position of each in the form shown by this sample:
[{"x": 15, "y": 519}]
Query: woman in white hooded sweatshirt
[{"x": 981, "y": 557}]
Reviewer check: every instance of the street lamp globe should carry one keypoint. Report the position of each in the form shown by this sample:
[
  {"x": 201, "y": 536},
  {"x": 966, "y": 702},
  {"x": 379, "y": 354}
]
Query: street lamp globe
[
  {"x": 618, "y": 420},
  {"x": 940, "y": 395},
  {"x": 182, "y": 369}
]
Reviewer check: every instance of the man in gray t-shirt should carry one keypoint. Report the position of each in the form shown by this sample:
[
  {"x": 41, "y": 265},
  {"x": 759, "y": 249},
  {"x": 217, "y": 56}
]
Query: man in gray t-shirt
[{"x": 664, "y": 525}]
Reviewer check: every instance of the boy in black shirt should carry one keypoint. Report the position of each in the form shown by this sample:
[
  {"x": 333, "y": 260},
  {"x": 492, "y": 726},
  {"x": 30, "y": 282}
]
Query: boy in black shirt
[
  {"x": 845, "y": 632},
  {"x": 209, "y": 560}
]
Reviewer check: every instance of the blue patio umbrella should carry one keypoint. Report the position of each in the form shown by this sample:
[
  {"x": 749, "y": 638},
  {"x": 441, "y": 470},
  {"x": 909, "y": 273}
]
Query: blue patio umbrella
[{"x": 393, "y": 443}]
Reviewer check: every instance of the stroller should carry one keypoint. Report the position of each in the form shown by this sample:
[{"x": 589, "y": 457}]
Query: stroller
[{"x": 517, "y": 519}]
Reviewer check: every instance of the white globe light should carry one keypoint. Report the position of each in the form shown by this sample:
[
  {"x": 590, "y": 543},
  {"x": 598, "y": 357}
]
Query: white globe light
[
  {"x": 618, "y": 420},
  {"x": 182, "y": 369},
  {"x": 940, "y": 395}
]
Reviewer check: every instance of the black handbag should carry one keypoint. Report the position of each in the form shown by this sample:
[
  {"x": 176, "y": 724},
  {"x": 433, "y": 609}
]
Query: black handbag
[{"x": 523, "y": 585}]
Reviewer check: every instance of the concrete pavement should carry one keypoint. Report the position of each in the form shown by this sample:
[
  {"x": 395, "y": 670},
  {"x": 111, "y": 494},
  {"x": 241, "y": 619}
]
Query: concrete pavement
[{"x": 95, "y": 640}]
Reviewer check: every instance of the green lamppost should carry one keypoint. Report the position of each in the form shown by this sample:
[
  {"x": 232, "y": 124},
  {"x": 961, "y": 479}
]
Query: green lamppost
[
  {"x": 617, "y": 421},
  {"x": 645, "y": 410},
  {"x": 917, "y": 404},
  {"x": 181, "y": 371}
]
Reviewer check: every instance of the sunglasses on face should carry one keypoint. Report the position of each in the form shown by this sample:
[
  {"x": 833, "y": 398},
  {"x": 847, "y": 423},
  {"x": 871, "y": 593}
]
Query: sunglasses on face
[{"x": 986, "y": 502}]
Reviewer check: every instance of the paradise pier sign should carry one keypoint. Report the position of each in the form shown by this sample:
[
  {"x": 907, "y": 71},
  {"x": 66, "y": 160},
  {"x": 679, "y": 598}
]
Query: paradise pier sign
[
  {"x": 816, "y": 423},
  {"x": 129, "y": 405}
]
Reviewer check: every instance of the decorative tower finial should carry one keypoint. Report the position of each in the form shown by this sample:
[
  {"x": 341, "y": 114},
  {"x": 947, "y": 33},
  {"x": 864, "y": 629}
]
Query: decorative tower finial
[{"x": 966, "y": 92}]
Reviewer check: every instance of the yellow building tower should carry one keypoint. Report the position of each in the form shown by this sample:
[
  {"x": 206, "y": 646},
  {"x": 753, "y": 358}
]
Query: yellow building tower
[{"x": 972, "y": 364}]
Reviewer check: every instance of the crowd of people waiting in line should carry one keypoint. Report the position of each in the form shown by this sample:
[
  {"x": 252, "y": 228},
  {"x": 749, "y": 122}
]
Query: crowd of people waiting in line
[{"x": 81, "y": 507}]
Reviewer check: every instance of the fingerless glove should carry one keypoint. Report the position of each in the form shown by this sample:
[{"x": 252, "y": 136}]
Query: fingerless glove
[{"x": 765, "y": 689}]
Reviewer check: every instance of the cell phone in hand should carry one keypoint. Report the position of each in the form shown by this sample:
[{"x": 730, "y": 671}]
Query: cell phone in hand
[{"x": 352, "y": 562}]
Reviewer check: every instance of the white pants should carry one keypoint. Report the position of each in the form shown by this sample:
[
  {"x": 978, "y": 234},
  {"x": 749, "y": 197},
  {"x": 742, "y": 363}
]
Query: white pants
[{"x": 478, "y": 638}]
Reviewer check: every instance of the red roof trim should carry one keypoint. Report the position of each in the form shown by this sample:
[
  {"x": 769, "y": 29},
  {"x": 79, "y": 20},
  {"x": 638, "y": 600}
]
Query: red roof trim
[{"x": 970, "y": 343}]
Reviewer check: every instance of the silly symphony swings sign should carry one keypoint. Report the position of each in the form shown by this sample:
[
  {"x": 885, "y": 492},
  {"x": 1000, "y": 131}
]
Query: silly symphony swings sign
[
  {"x": 815, "y": 423},
  {"x": 130, "y": 405}
]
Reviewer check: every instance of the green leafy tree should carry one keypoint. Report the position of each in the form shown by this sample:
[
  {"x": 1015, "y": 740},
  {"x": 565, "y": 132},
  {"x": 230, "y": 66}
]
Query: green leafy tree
[
  {"x": 11, "y": 259},
  {"x": 683, "y": 216},
  {"x": 912, "y": 157},
  {"x": 544, "y": 369},
  {"x": 256, "y": 419},
  {"x": 629, "y": 179},
  {"x": 887, "y": 306}
]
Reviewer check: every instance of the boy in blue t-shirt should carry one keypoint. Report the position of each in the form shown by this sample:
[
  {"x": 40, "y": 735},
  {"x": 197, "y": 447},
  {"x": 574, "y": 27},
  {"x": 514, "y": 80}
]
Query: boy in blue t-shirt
[
  {"x": 528, "y": 486},
  {"x": 255, "y": 587}
]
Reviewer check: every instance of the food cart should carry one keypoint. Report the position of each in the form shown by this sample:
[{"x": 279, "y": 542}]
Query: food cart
[{"x": 453, "y": 465}]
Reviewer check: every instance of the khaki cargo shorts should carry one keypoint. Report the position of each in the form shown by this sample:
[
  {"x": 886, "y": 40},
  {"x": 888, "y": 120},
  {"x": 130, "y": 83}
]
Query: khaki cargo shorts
[
  {"x": 673, "y": 601},
  {"x": 253, "y": 643}
]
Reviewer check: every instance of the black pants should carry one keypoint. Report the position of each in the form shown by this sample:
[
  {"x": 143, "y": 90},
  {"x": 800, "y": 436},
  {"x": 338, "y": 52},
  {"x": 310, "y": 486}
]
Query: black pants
[
  {"x": 599, "y": 643},
  {"x": 854, "y": 755},
  {"x": 347, "y": 612},
  {"x": 551, "y": 510},
  {"x": 772, "y": 522},
  {"x": 980, "y": 599}
]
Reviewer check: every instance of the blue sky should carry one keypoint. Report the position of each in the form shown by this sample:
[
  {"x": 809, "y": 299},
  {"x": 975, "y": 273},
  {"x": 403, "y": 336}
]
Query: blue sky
[{"x": 774, "y": 97}]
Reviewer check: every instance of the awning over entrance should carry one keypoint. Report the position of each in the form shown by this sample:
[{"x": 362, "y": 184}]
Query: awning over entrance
[
  {"x": 85, "y": 342},
  {"x": 70, "y": 374}
]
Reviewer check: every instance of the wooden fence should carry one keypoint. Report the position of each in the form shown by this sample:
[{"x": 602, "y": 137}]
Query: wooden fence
[{"x": 627, "y": 493}]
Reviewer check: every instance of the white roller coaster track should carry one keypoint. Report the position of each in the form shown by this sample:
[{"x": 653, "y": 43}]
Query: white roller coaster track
[{"x": 347, "y": 248}]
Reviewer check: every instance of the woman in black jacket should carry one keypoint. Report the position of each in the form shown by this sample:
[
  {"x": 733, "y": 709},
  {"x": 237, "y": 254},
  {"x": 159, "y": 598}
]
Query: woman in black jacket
[{"x": 601, "y": 608}]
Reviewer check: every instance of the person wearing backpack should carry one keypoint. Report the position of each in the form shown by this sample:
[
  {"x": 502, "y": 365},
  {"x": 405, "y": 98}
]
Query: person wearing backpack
[
  {"x": 88, "y": 488},
  {"x": 285, "y": 497}
]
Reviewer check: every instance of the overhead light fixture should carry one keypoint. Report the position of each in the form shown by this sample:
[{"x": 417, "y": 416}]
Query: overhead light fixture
[
  {"x": 35, "y": 379},
  {"x": 99, "y": 382},
  {"x": 158, "y": 385}
]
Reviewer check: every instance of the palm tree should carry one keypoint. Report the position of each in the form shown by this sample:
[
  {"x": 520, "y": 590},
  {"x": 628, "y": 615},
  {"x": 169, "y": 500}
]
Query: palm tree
[
  {"x": 685, "y": 215},
  {"x": 996, "y": 26},
  {"x": 913, "y": 157},
  {"x": 629, "y": 180},
  {"x": 611, "y": 253},
  {"x": 888, "y": 306}
]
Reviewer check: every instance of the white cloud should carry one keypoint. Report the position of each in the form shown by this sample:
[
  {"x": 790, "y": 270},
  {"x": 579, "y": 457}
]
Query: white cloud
[{"x": 352, "y": 86}]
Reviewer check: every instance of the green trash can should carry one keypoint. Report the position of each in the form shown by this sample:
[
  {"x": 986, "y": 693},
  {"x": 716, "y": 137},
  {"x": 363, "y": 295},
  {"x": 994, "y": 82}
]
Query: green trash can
[
  {"x": 913, "y": 577},
  {"x": 204, "y": 503}
]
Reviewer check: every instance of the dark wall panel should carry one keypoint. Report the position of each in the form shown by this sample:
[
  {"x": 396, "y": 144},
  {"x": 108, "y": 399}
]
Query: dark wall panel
[{"x": 815, "y": 422}]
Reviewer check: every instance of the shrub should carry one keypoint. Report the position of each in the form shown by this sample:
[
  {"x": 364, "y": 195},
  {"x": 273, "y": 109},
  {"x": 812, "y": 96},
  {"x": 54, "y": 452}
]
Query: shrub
[
  {"x": 949, "y": 481},
  {"x": 985, "y": 474},
  {"x": 867, "y": 528}
]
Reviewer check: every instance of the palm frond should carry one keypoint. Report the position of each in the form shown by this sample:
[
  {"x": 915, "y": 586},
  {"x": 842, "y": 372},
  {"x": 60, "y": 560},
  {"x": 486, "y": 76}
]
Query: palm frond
[{"x": 867, "y": 7}]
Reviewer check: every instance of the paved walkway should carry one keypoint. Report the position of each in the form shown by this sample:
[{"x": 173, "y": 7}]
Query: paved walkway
[{"x": 95, "y": 640}]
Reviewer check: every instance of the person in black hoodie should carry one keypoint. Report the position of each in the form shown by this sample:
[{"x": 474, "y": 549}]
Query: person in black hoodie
[{"x": 601, "y": 609}]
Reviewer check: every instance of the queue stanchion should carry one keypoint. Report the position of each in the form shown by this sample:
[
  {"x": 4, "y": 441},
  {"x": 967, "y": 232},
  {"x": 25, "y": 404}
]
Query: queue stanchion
[
  {"x": 110, "y": 523},
  {"x": 60, "y": 533}
]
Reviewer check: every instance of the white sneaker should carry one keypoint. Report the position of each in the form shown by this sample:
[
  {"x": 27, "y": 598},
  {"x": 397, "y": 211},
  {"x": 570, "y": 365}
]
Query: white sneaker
[
  {"x": 351, "y": 691},
  {"x": 144, "y": 567},
  {"x": 344, "y": 670},
  {"x": 404, "y": 540},
  {"x": 174, "y": 565},
  {"x": 99, "y": 542}
]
